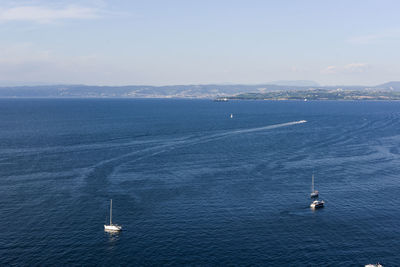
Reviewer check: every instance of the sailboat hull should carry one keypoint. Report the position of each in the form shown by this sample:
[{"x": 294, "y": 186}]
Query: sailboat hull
[{"x": 113, "y": 228}]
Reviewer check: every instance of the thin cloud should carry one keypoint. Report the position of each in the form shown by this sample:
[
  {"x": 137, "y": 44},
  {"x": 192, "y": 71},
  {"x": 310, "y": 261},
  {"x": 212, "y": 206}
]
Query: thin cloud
[
  {"x": 27, "y": 63},
  {"x": 40, "y": 14},
  {"x": 329, "y": 70},
  {"x": 356, "y": 67},
  {"x": 346, "y": 69},
  {"x": 388, "y": 35}
]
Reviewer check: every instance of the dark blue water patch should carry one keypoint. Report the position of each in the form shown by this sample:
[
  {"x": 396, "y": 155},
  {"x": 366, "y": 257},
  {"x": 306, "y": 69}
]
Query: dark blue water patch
[{"x": 192, "y": 186}]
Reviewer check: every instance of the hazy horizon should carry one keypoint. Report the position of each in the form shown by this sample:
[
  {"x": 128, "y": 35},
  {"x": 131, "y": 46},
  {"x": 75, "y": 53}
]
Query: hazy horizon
[
  {"x": 158, "y": 43},
  {"x": 17, "y": 84}
]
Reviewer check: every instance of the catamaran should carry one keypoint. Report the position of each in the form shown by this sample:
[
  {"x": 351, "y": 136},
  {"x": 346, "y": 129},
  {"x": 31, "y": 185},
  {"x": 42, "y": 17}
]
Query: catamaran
[
  {"x": 317, "y": 204},
  {"x": 314, "y": 193},
  {"x": 112, "y": 227}
]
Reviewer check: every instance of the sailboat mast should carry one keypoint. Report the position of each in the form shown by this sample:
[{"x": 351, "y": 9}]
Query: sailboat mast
[
  {"x": 312, "y": 184},
  {"x": 111, "y": 212}
]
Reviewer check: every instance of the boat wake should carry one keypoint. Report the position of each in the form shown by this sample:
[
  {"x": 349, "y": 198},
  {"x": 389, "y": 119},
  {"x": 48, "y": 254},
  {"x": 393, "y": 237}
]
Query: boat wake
[
  {"x": 258, "y": 129},
  {"x": 112, "y": 163}
]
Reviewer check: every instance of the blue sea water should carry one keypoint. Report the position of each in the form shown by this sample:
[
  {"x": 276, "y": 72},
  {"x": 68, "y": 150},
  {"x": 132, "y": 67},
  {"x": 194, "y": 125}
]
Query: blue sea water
[{"x": 192, "y": 186}]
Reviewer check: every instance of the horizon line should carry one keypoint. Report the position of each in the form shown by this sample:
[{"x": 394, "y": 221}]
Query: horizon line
[{"x": 192, "y": 84}]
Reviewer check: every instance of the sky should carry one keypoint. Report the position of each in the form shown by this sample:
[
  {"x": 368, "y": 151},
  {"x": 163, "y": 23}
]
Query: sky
[{"x": 166, "y": 42}]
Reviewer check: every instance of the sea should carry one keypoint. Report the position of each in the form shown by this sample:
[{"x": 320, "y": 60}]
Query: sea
[{"x": 192, "y": 186}]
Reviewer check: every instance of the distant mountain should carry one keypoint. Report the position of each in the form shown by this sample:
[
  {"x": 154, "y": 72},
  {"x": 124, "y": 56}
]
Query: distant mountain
[
  {"x": 395, "y": 85},
  {"x": 173, "y": 91},
  {"x": 139, "y": 91}
]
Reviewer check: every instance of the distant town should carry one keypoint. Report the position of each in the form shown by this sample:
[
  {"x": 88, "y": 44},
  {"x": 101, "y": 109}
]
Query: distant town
[
  {"x": 320, "y": 94},
  {"x": 300, "y": 90}
]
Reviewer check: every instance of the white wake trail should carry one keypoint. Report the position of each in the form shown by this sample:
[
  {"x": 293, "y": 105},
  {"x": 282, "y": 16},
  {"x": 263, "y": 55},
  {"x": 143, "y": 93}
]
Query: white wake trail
[
  {"x": 174, "y": 144},
  {"x": 217, "y": 136},
  {"x": 258, "y": 129}
]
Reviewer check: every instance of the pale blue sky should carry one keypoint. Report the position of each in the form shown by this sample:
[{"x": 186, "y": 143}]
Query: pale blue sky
[{"x": 152, "y": 42}]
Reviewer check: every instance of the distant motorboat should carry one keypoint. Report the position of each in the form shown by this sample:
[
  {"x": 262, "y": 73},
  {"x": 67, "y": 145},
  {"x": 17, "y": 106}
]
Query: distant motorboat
[
  {"x": 314, "y": 193},
  {"x": 221, "y": 99},
  {"x": 317, "y": 204},
  {"x": 112, "y": 227},
  {"x": 374, "y": 265}
]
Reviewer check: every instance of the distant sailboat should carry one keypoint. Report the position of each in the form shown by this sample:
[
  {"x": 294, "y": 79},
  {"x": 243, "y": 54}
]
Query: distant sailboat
[
  {"x": 231, "y": 115},
  {"x": 112, "y": 227},
  {"x": 314, "y": 193}
]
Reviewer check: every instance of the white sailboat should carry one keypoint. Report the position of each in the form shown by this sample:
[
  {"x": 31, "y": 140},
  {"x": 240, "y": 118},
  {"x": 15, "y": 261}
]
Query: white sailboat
[
  {"x": 231, "y": 116},
  {"x": 112, "y": 227},
  {"x": 314, "y": 193}
]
